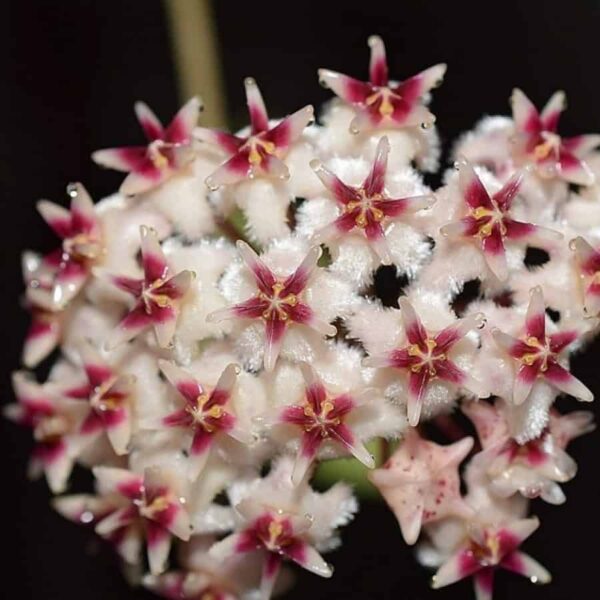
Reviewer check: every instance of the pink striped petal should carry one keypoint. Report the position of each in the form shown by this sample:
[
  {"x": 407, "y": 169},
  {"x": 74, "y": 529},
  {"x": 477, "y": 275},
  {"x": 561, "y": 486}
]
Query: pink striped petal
[
  {"x": 42, "y": 337},
  {"x": 460, "y": 565},
  {"x": 290, "y": 129},
  {"x": 227, "y": 142},
  {"x": 234, "y": 170},
  {"x": 400, "y": 206},
  {"x": 495, "y": 253},
  {"x": 153, "y": 260},
  {"x": 128, "y": 159},
  {"x": 96, "y": 369},
  {"x": 263, "y": 276},
  {"x": 535, "y": 320},
  {"x": 145, "y": 178},
  {"x": 346, "y": 438},
  {"x": 551, "y": 112},
  {"x": 134, "y": 323},
  {"x": 165, "y": 325},
  {"x": 483, "y": 582},
  {"x": 378, "y": 69},
  {"x": 270, "y": 571},
  {"x": 525, "y": 114},
  {"x": 259, "y": 119},
  {"x": 417, "y": 384},
  {"x": 127, "y": 284},
  {"x": 158, "y": 540},
  {"x": 467, "y": 227},
  {"x": 471, "y": 188},
  {"x": 118, "y": 429},
  {"x": 375, "y": 181},
  {"x": 57, "y": 217},
  {"x": 560, "y": 340},
  {"x": 298, "y": 280},
  {"x": 181, "y": 380},
  {"x": 415, "y": 332},
  {"x": 149, "y": 121},
  {"x": 516, "y": 230},
  {"x": 116, "y": 520},
  {"x": 274, "y": 333},
  {"x": 449, "y": 372},
  {"x": 83, "y": 214},
  {"x": 181, "y": 127},
  {"x": 523, "y": 564},
  {"x": 574, "y": 170},
  {"x": 376, "y": 236},
  {"x": 221, "y": 393},
  {"x": 347, "y": 88},
  {"x": 417, "y": 86},
  {"x": 120, "y": 481},
  {"x": 446, "y": 338},
  {"x": 253, "y": 308},
  {"x": 511, "y": 345},
  {"x": 309, "y": 446},
  {"x": 343, "y": 224},
  {"x": 567, "y": 383},
  {"x": 341, "y": 192},
  {"x": 57, "y": 464},
  {"x": 308, "y": 558},
  {"x": 587, "y": 258},
  {"x": 524, "y": 380},
  {"x": 505, "y": 196},
  {"x": 581, "y": 145}
]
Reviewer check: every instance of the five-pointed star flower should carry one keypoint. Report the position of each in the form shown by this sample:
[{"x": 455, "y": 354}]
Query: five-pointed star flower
[
  {"x": 277, "y": 533},
  {"x": 108, "y": 395},
  {"x": 537, "y": 355},
  {"x": 487, "y": 548},
  {"x": 367, "y": 209},
  {"x": 184, "y": 585},
  {"x": 420, "y": 482},
  {"x": 54, "y": 421},
  {"x": 322, "y": 418},
  {"x": 535, "y": 468},
  {"x": 587, "y": 261},
  {"x": 207, "y": 414},
  {"x": 45, "y": 327},
  {"x": 488, "y": 222},
  {"x": 427, "y": 357},
  {"x": 278, "y": 301},
  {"x": 262, "y": 152},
  {"x": 158, "y": 296},
  {"x": 536, "y": 141},
  {"x": 150, "y": 506},
  {"x": 61, "y": 274},
  {"x": 380, "y": 102},
  {"x": 169, "y": 149}
]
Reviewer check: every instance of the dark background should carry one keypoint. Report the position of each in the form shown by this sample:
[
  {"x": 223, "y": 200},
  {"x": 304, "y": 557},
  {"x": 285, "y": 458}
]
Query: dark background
[{"x": 69, "y": 75}]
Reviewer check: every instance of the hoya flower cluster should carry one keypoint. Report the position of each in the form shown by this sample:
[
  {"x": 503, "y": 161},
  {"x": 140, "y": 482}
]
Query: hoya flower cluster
[{"x": 220, "y": 335}]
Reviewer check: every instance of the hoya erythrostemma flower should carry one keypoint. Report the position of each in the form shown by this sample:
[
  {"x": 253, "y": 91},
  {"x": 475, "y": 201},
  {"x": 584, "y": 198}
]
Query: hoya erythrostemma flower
[{"x": 218, "y": 331}]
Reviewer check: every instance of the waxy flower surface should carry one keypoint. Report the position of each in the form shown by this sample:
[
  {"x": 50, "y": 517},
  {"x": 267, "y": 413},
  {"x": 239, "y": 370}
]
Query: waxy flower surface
[
  {"x": 488, "y": 221},
  {"x": 534, "y": 468},
  {"x": 278, "y": 301},
  {"x": 158, "y": 295},
  {"x": 538, "y": 355},
  {"x": 367, "y": 208},
  {"x": 427, "y": 356},
  {"x": 206, "y": 413},
  {"x": 488, "y": 548},
  {"x": 420, "y": 482},
  {"x": 54, "y": 422},
  {"x": 62, "y": 273},
  {"x": 109, "y": 397},
  {"x": 261, "y": 153},
  {"x": 380, "y": 102},
  {"x": 322, "y": 418},
  {"x": 537, "y": 141},
  {"x": 151, "y": 508},
  {"x": 169, "y": 149}
]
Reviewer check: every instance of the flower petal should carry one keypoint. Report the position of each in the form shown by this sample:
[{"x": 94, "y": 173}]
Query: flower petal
[
  {"x": 378, "y": 69},
  {"x": 341, "y": 192},
  {"x": 525, "y": 114},
  {"x": 181, "y": 127},
  {"x": 259, "y": 119},
  {"x": 274, "y": 333},
  {"x": 265, "y": 280},
  {"x": 567, "y": 383},
  {"x": 347, "y": 88},
  {"x": 415, "y": 332},
  {"x": 551, "y": 112},
  {"x": 181, "y": 380},
  {"x": 154, "y": 262},
  {"x": 149, "y": 121},
  {"x": 471, "y": 188},
  {"x": 375, "y": 181},
  {"x": 535, "y": 320}
]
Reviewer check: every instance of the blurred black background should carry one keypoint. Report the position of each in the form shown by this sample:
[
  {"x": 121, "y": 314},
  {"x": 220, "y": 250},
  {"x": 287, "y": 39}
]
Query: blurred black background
[{"x": 70, "y": 72}]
